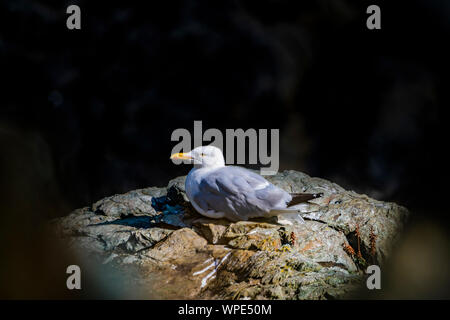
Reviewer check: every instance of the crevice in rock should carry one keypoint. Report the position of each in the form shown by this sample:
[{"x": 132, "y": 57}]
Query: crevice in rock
[
  {"x": 329, "y": 264},
  {"x": 326, "y": 223},
  {"x": 365, "y": 258}
]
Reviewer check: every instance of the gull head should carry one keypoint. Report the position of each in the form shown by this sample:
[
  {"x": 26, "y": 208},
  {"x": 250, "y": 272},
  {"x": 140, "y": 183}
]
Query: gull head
[{"x": 203, "y": 157}]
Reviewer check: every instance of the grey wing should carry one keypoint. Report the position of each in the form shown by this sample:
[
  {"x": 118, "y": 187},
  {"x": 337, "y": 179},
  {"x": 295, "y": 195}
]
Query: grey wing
[{"x": 239, "y": 193}]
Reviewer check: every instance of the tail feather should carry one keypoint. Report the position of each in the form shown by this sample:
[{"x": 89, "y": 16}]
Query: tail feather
[
  {"x": 302, "y": 197},
  {"x": 290, "y": 215}
]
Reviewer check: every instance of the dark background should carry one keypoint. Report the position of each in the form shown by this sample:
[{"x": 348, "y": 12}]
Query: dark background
[{"x": 88, "y": 113}]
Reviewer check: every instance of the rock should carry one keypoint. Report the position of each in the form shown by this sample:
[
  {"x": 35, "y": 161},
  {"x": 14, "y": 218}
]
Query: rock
[
  {"x": 137, "y": 202},
  {"x": 179, "y": 245},
  {"x": 212, "y": 230},
  {"x": 154, "y": 237}
]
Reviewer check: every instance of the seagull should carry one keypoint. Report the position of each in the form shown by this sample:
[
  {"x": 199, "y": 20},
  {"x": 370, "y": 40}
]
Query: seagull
[{"x": 235, "y": 193}]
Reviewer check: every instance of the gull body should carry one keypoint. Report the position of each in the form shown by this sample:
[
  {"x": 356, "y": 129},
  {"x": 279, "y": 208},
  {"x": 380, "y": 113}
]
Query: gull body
[{"x": 219, "y": 191}]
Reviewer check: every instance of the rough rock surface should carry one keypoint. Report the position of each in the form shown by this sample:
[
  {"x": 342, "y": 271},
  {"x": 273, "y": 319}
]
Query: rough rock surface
[{"x": 154, "y": 237}]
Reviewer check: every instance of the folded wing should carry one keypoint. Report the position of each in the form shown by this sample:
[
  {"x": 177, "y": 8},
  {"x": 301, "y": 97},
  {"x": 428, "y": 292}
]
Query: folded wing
[{"x": 239, "y": 193}]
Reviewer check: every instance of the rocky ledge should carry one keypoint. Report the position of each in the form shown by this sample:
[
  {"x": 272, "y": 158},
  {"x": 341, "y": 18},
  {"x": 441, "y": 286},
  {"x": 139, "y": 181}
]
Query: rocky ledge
[{"x": 153, "y": 238}]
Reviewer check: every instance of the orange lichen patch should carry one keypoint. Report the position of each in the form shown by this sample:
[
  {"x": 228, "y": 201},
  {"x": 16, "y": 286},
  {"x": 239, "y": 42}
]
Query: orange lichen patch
[
  {"x": 269, "y": 244},
  {"x": 348, "y": 249},
  {"x": 327, "y": 200},
  {"x": 311, "y": 245},
  {"x": 285, "y": 248},
  {"x": 285, "y": 269}
]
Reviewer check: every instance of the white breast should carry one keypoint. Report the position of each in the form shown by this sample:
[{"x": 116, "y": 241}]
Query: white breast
[{"x": 192, "y": 187}]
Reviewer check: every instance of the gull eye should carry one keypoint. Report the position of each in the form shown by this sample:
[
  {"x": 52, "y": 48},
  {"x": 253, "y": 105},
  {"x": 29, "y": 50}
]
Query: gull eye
[{"x": 202, "y": 154}]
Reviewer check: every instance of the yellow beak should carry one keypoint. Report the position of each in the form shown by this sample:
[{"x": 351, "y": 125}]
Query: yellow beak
[{"x": 181, "y": 156}]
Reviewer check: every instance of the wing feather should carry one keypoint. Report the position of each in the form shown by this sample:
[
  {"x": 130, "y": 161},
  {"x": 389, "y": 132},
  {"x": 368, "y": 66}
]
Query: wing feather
[{"x": 239, "y": 193}]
